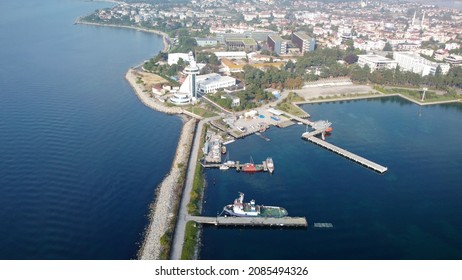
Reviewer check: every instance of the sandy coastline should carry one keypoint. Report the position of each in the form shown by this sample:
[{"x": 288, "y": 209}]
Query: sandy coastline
[{"x": 165, "y": 38}]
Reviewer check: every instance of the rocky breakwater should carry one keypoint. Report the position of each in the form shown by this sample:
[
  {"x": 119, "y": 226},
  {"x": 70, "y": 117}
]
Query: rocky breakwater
[{"x": 164, "y": 210}]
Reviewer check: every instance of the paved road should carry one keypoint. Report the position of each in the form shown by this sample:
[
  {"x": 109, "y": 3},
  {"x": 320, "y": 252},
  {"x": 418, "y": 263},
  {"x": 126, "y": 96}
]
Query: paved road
[{"x": 178, "y": 238}]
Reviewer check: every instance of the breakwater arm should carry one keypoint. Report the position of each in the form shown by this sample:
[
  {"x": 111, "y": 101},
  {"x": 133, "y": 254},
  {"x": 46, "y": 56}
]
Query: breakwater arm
[{"x": 164, "y": 209}]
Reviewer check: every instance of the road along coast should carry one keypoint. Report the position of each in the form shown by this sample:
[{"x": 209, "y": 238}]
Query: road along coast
[{"x": 164, "y": 209}]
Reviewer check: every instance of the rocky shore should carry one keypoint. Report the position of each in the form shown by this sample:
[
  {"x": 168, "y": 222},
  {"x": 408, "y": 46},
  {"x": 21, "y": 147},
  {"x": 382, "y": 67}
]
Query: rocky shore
[
  {"x": 145, "y": 97},
  {"x": 164, "y": 209}
]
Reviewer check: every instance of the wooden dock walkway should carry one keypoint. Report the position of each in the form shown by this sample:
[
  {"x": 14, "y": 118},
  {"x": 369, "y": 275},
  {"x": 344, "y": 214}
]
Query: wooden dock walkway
[
  {"x": 252, "y": 221},
  {"x": 372, "y": 165}
]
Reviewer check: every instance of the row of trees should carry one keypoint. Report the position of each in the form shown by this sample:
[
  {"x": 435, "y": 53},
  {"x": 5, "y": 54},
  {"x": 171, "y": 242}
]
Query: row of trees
[{"x": 398, "y": 77}]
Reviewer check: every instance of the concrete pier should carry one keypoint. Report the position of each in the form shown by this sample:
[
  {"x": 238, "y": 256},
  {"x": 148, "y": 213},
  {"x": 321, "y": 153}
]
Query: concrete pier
[
  {"x": 252, "y": 221},
  {"x": 238, "y": 166},
  {"x": 370, "y": 164}
]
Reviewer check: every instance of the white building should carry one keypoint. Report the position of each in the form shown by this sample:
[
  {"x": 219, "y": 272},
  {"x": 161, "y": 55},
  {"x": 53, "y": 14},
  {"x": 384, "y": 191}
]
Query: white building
[
  {"x": 231, "y": 55},
  {"x": 451, "y": 46},
  {"x": 210, "y": 83},
  {"x": 454, "y": 59},
  {"x": 188, "y": 90},
  {"x": 174, "y": 57},
  {"x": 409, "y": 61},
  {"x": 369, "y": 45},
  {"x": 376, "y": 62}
]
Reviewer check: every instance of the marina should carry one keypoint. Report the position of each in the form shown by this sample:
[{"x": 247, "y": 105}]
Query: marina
[
  {"x": 245, "y": 167},
  {"x": 252, "y": 221}
]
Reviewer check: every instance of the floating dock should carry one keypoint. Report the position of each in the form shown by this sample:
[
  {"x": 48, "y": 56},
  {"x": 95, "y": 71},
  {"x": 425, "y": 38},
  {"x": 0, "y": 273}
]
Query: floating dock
[
  {"x": 365, "y": 162},
  {"x": 323, "y": 225},
  {"x": 252, "y": 221}
]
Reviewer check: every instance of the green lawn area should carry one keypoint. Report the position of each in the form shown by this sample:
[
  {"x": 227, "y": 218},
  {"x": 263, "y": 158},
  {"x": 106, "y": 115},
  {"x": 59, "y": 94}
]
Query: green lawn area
[
  {"x": 190, "y": 241},
  {"x": 416, "y": 94},
  {"x": 201, "y": 111},
  {"x": 291, "y": 109},
  {"x": 287, "y": 106}
]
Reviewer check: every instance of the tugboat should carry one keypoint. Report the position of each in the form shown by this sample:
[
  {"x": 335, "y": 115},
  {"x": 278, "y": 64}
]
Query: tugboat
[
  {"x": 251, "y": 167},
  {"x": 241, "y": 209}
]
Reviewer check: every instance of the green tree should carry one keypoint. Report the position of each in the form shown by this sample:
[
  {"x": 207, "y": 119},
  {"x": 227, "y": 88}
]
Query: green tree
[{"x": 388, "y": 47}]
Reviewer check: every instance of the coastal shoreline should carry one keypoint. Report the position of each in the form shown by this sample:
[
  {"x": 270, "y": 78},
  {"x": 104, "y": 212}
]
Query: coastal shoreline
[
  {"x": 365, "y": 96},
  {"x": 164, "y": 209},
  {"x": 165, "y": 37},
  {"x": 145, "y": 97}
]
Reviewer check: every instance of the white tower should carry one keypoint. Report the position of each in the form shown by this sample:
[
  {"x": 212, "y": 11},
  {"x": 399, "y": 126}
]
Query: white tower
[
  {"x": 192, "y": 70},
  {"x": 413, "y": 19},
  {"x": 422, "y": 22}
]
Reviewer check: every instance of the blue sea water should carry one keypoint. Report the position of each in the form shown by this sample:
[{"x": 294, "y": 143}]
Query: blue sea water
[
  {"x": 410, "y": 212},
  {"x": 80, "y": 156}
]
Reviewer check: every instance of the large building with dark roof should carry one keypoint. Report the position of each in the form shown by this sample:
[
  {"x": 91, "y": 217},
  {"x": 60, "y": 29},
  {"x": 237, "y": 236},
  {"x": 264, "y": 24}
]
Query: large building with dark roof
[
  {"x": 304, "y": 42},
  {"x": 277, "y": 44},
  {"x": 241, "y": 44}
]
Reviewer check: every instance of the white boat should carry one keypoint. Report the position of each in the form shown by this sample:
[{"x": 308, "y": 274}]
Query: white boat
[
  {"x": 224, "y": 167},
  {"x": 270, "y": 165},
  {"x": 228, "y": 162},
  {"x": 229, "y": 142}
]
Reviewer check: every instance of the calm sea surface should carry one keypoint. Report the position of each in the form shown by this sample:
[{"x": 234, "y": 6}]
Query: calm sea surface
[
  {"x": 411, "y": 212},
  {"x": 80, "y": 156}
]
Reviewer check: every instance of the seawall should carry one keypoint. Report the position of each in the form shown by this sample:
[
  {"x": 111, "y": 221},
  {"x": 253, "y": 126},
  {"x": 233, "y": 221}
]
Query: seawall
[{"x": 164, "y": 209}]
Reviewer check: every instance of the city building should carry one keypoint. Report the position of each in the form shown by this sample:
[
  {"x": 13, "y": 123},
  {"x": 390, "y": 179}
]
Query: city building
[
  {"x": 304, "y": 42},
  {"x": 409, "y": 61},
  {"x": 206, "y": 42},
  {"x": 259, "y": 35},
  {"x": 241, "y": 44},
  {"x": 454, "y": 59},
  {"x": 231, "y": 55},
  {"x": 210, "y": 83},
  {"x": 376, "y": 62},
  {"x": 277, "y": 44},
  {"x": 229, "y": 66}
]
